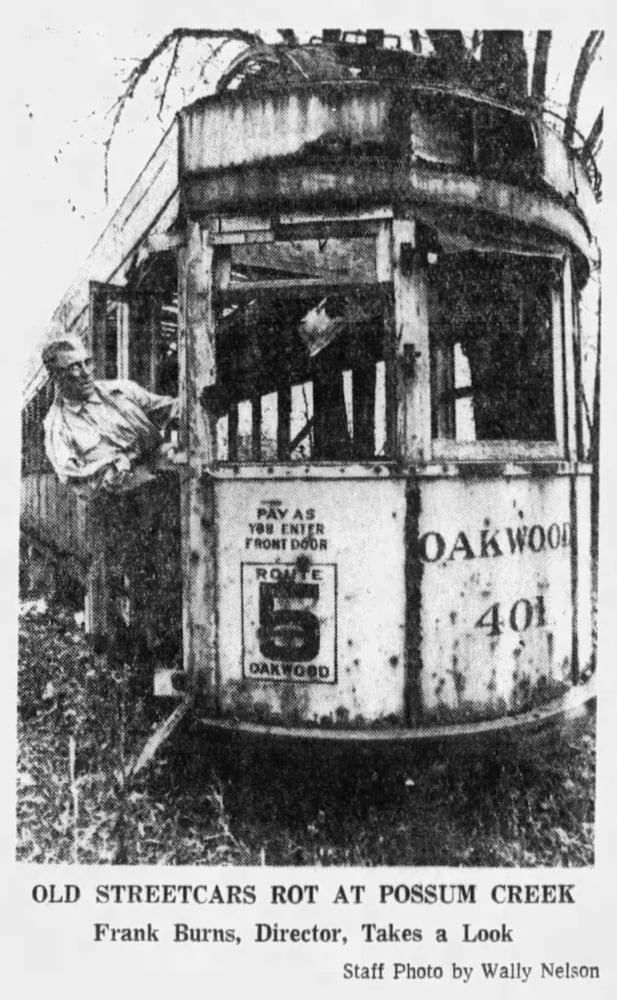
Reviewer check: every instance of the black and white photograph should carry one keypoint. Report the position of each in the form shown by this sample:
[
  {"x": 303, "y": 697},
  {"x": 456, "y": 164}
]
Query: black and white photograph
[
  {"x": 310, "y": 464},
  {"x": 310, "y": 484}
]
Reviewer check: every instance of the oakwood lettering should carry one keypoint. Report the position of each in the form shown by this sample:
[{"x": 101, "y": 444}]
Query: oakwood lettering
[
  {"x": 296, "y": 671},
  {"x": 491, "y": 542}
]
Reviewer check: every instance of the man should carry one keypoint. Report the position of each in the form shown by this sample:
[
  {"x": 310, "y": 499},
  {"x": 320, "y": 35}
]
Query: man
[
  {"x": 100, "y": 436},
  {"x": 104, "y": 438}
]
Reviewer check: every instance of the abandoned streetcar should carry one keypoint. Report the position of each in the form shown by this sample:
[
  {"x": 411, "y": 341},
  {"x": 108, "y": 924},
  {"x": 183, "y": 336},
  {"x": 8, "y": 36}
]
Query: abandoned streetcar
[{"x": 362, "y": 276}]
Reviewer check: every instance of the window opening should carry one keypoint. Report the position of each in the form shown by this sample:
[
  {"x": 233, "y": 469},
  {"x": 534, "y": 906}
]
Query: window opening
[
  {"x": 492, "y": 348},
  {"x": 326, "y": 407},
  {"x": 300, "y": 336},
  {"x": 153, "y": 305}
]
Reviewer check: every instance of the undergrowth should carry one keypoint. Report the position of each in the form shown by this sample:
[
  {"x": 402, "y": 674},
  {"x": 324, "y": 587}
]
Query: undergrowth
[{"x": 234, "y": 803}]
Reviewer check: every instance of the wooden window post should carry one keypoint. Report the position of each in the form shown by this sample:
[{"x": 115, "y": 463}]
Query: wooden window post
[
  {"x": 411, "y": 329},
  {"x": 197, "y": 371},
  {"x": 412, "y": 428}
]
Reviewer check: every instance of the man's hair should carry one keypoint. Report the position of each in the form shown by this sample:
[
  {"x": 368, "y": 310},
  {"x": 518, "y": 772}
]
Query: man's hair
[{"x": 49, "y": 354}]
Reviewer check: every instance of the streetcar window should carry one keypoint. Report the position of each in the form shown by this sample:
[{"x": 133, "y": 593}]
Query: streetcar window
[
  {"x": 166, "y": 375},
  {"x": 307, "y": 365},
  {"x": 491, "y": 348},
  {"x": 153, "y": 311}
]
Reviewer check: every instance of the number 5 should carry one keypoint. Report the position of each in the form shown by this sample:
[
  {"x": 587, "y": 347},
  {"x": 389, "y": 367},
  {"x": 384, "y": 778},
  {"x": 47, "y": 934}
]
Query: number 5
[{"x": 287, "y": 629}]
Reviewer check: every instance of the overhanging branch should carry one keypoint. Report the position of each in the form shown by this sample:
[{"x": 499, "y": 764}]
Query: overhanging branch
[{"x": 174, "y": 37}]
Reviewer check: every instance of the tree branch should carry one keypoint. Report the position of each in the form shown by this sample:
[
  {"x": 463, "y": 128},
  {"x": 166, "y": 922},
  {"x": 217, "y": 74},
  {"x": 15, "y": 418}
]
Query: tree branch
[
  {"x": 170, "y": 70},
  {"x": 250, "y": 39},
  {"x": 585, "y": 60}
]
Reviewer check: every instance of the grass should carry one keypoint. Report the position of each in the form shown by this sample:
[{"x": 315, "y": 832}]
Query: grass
[{"x": 213, "y": 803}]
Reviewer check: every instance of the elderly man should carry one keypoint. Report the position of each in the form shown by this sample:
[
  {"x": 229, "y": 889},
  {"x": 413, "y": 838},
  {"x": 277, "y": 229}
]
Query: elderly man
[
  {"x": 103, "y": 438},
  {"x": 100, "y": 436}
]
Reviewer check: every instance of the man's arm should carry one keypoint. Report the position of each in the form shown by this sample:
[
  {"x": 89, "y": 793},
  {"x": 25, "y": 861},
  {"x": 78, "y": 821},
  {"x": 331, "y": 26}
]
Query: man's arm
[{"x": 160, "y": 409}]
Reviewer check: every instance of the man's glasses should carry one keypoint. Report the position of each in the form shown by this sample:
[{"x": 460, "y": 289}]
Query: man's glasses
[{"x": 77, "y": 367}]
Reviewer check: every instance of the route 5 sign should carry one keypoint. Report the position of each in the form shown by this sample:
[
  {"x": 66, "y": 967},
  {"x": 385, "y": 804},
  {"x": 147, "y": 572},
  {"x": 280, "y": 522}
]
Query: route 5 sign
[{"x": 289, "y": 622}]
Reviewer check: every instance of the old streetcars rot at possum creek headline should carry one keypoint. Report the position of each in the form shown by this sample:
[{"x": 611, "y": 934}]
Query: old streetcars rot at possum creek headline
[{"x": 309, "y": 893}]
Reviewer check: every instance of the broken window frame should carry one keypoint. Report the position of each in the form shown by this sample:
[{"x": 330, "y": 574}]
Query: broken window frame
[
  {"x": 445, "y": 448},
  {"x": 108, "y": 330},
  {"x": 154, "y": 320},
  {"x": 223, "y": 234}
]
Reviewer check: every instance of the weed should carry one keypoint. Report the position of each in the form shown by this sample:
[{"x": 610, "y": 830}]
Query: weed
[{"x": 230, "y": 804}]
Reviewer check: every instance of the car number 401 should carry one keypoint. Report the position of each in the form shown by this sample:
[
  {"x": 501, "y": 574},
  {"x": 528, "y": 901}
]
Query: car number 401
[{"x": 523, "y": 614}]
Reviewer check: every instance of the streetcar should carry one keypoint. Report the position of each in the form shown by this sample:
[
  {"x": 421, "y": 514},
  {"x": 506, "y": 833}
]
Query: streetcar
[{"x": 361, "y": 270}]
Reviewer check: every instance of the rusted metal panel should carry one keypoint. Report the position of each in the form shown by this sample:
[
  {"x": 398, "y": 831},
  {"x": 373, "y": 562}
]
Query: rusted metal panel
[
  {"x": 484, "y": 451},
  {"x": 458, "y": 735},
  {"x": 437, "y": 138},
  {"x": 289, "y": 185},
  {"x": 226, "y": 131},
  {"x": 434, "y": 126},
  {"x": 496, "y": 616},
  {"x": 326, "y": 471},
  {"x": 311, "y": 602}
]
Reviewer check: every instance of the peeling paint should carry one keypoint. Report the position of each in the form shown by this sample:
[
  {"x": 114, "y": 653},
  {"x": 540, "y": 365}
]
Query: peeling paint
[
  {"x": 317, "y": 123},
  {"x": 496, "y": 647},
  {"x": 366, "y": 687}
]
